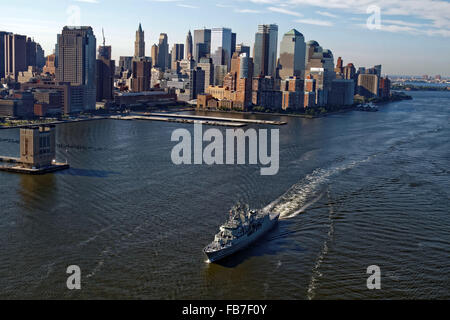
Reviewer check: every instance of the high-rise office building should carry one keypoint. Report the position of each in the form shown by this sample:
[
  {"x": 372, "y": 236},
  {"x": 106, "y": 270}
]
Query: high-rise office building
[
  {"x": 208, "y": 67},
  {"x": 202, "y": 43},
  {"x": 312, "y": 47},
  {"x": 377, "y": 70},
  {"x": 31, "y": 52},
  {"x": 265, "y": 50},
  {"x": 139, "y": 45},
  {"x": 242, "y": 48},
  {"x": 233, "y": 43},
  {"x": 292, "y": 55},
  {"x": 15, "y": 54},
  {"x": 40, "y": 56},
  {"x": 220, "y": 71},
  {"x": 320, "y": 65},
  {"x": 339, "y": 66},
  {"x": 125, "y": 63},
  {"x": 221, "y": 41},
  {"x": 104, "y": 51},
  {"x": 58, "y": 36},
  {"x": 177, "y": 55},
  {"x": 342, "y": 92},
  {"x": 349, "y": 72},
  {"x": 368, "y": 85},
  {"x": 163, "y": 52},
  {"x": 2, "y": 54},
  {"x": 50, "y": 66},
  {"x": 141, "y": 76},
  {"x": 105, "y": 73},
  {"x": 77, "y": 61},
  {"x": 196, "y": 82},
  {"x": 189, "y": 53},
  {"x": 242, "y": 80},
  {"x": 155, "y": 55},
  {"x": 292, "y": 93},
  {"x": 385, "y": 87},
  {"x": 105, "y": 78}
]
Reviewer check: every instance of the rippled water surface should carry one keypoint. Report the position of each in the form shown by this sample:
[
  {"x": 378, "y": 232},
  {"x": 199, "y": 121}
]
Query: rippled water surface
[{"x": 353, "y": 190}]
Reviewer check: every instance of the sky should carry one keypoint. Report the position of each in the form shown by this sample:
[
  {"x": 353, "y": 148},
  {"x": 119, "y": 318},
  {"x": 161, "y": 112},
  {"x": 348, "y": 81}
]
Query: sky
[{"x": 407, "y": 37}]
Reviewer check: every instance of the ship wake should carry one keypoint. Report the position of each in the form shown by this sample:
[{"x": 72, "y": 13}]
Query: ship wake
[{"x": 308, "y": 191}]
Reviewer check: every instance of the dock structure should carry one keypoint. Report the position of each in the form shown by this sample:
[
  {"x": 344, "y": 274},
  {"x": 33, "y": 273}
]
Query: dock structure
[
  {"x": 222, "y": 119},
  {"x": 35, "y": 171},
  {"x": 181, "y": 120},
  {"x": 37, "y": 152}
]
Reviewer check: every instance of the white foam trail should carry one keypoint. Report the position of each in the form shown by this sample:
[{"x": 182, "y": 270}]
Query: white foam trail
[
  {"x": 316, "y": 274},
  {"x": 302, "y": 209},
  {"x": 299, "y": 194}
]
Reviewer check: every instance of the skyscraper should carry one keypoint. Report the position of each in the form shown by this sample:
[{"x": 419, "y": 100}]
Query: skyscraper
[
  {"x": 163, "y": 52},
  {"x": 242, "y": 48},
  {"x": 58, "y": 37},
  {"x": 125, "y": 63},
  {"x": 31, "y": 53},
  {"x": 50, "y": 66},
  {"x": 339, "y": 66},
  {"x": 202, "y": 43},
  {"x": 240, "y": 79},
  {"x": 139, "y": 45},
  {"x": 207, "y": 66},
  {"x": 292, "y": 55},
  {"x": 189, "y": 54},
  {"x": 233, "y": 43},
  {"x": 141, "y": 76},
  {"x": 105, "y": 78},
  {"x": 77, "y": 61},
  {"x": 385, "y": 87},
  {"x": 368, "y": 85},
  {"x": 105, "y": 73},
  {"x": 349, "y": 72},
  {"x": 221, "y": 46},
  {"x": 15, "y": 54},
  {"x": 155, "y": 55},
  {"x": 265, "y": 50},
  {"x": 177, "y": 54},
  {"x": 2, "y": 54},
  {"x": 104, "y": 51},
  {"x": 40, "y": 56}
]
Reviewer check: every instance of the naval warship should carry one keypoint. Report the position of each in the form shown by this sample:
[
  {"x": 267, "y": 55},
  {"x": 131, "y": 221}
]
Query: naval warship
[{"x": 243, "y": 227}]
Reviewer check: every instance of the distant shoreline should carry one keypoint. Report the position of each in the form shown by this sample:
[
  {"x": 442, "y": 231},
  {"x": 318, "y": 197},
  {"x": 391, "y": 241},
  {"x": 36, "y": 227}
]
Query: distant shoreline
[
  {"x": 415, "y": 87},
  {"x": 394, "y": 98}
]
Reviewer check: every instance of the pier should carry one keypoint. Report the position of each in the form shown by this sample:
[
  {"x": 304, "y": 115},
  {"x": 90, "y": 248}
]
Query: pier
[
  {"x": 37, "y": 149},
  {"x": 221, "y": 119},
  {"x": 35, "y": 171},
  {"x": 180, "y": 120}
]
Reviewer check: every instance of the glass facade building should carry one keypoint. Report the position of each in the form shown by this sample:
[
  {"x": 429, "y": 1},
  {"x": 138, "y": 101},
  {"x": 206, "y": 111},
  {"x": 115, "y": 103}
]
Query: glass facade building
[
  {"x": 265, "y": 50},
  {"x": 221, "y": 46}
]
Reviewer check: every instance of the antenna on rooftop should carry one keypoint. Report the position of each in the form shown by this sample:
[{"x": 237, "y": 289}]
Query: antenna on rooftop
[{"x": 103, "y": 32}]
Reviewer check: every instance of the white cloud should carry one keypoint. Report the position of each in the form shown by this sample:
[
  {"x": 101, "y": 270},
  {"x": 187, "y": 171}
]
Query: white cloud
[
  {"x": 284, "y": 11},
  {"x": 187, "y": 6},
  {"x": 247, "y": 11},
  {"x": 403, "y": 23},
  {"x": 315, "y": 22},
  {"x": 327, "y": 14},
  {"x": 435, "y": 13}
]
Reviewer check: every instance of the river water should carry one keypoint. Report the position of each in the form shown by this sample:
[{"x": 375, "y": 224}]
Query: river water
[{"x": 353, "y": 190}]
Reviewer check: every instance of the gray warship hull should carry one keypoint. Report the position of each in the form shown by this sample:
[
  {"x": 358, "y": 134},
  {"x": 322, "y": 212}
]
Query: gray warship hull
[{"x": 242, "y": 242}]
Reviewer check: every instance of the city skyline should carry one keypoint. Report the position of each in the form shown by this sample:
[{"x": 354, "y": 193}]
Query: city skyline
[{"x": 400, "y": 46}]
